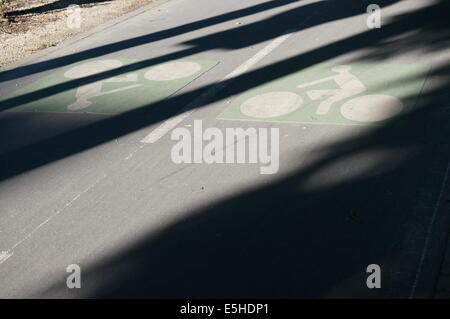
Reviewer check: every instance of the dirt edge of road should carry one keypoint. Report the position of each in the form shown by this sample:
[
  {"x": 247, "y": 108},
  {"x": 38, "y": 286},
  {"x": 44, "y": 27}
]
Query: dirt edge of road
[{"x": 30, "y": 26}]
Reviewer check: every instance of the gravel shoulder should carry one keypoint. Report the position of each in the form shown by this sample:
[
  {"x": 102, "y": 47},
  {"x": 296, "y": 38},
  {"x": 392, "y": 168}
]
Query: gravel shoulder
[{"x": 27, "y": 26}]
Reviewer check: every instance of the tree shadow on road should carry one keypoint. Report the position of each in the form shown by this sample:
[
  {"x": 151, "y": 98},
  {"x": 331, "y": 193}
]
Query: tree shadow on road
[
  {"x": 50, "y": 148},
  {"x": 291, "y": 240}
]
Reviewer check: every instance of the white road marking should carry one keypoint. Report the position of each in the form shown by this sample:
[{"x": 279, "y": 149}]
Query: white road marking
[
  {"x": 167, "y": 126},
  {"x": 171, "y": 123},
  {"x": 271, "y": 104},
  {"x": 371, "y": 108},
  {"x": 172, "y": 71},
  {"x": 4, "y": 255},
  {"x": 91, "y": 68}
]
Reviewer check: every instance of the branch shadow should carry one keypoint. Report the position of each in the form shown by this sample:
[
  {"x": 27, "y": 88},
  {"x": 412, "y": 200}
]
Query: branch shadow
[
  {"x": 288, "y": 240},
  {"x": 256, "y": 31},
  {"x": 71, "y": 142}
]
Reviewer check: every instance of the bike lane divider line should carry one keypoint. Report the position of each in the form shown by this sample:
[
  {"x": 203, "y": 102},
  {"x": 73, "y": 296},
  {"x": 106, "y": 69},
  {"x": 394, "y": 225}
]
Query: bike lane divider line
[
  {"x": 6, "y": 254},
  {"x": 171, "y": 123}
]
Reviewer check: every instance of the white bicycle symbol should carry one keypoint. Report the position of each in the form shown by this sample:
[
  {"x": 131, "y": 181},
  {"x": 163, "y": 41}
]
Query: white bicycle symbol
[
  {"x": 85, "y": 93},
  {"x": 364, "y": 108}
]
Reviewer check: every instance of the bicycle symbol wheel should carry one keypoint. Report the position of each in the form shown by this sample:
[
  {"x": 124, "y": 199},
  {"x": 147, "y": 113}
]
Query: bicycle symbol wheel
[
  {"x": 371, "y": 108},
  {"x": 91, "y": 68},
  {"x": 272, "y": 104}
]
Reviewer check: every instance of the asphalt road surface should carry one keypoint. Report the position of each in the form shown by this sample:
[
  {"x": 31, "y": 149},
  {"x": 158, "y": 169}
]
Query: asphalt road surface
[{"x": 88, "y": 175}]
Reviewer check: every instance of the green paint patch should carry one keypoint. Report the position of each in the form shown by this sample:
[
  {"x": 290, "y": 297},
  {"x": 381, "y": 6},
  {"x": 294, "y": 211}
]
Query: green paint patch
[
  {"x": 113, "y": 95},
  {"x": 333, "y": 94}
]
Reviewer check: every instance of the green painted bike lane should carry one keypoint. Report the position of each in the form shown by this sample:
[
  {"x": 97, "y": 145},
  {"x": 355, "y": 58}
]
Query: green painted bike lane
[
  {"x": 113, "y": 95},
  {"x": 333, "y": 94}
]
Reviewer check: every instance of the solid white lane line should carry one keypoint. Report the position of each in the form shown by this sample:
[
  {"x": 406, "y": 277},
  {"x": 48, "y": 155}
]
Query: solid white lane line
[{"x": 171, "y": 123}]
